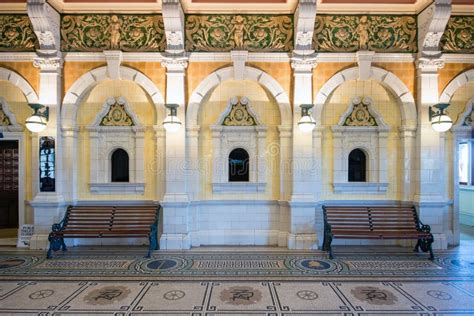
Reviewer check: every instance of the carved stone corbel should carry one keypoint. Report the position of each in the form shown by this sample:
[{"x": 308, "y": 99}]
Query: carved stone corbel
[
  {"x": 304, "y": 27},
  {"x": 431, "y": 25},
  {"x": 173, "y": 18},
  {"x": 46, "y": 24}
]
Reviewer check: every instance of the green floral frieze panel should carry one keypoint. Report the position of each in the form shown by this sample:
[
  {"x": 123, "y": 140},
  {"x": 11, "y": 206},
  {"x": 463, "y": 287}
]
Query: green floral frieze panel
[
  {"x": 459, "y": 35},
  {"x": 265, "y": 33},
  {"x": 16, "y": 33},
  {"x": 96, "y": 32},
  {"x": 350, "y": 33}
]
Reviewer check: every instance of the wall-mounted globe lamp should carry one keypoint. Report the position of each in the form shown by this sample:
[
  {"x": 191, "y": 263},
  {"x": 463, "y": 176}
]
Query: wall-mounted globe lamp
[
  {"x": 440, "y": 121},
  {"x": 37, "y": 122},
  {"x": 172, "y": 123},
  {"x": 306, "y": 123}
]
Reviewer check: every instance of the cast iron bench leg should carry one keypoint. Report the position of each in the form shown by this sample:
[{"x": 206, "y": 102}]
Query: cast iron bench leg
[{"x": 417, "y": 247}]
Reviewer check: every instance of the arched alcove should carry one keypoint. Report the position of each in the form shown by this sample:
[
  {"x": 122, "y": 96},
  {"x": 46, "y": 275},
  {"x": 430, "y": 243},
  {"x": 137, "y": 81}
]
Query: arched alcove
[
  {"x": 378, "y": 135},
  {"x": 94, "y": 141}
]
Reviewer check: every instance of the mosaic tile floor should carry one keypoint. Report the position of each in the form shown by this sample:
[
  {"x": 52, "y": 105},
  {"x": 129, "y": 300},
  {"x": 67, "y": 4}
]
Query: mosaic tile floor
[{"x": 237, "y": 281}]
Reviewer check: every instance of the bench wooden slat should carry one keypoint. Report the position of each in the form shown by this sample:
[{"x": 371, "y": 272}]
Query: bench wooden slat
[
  {"x": 104, "y": 222},
  {"x": 374, "y": 222}
]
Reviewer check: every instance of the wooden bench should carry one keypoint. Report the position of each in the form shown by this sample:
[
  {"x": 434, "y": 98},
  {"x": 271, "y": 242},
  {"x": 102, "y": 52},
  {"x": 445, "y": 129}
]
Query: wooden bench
[
  {"x": 106, "y": 222},
  {"x": 375, "y": 222}
]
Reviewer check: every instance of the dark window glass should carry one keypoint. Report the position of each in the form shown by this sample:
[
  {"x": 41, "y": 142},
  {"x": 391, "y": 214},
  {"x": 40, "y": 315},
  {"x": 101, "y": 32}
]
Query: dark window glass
[
  {"x": 47, "y": 164},
  {"x": 238, "y": 165},
  {"x": 120, "y": 166},
  {"x": 357, "y": 166}
]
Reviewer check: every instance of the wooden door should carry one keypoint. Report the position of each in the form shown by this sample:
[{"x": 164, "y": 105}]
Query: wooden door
[{"x": 8, "y": 184}]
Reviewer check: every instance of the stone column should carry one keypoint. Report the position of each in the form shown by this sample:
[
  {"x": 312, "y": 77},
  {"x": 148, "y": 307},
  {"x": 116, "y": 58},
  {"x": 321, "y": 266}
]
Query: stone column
[
  {"x": 302, "y": 233},
  {"x": 285, "y": 183},
  {"x": 69, "y": 136},
  {"x": 48, "y": 207},
  {"x": 429, "y": 180},
  {"x": 408, "y": 138},
  {"x": 160, "y": 163},
  {"x": 175, "y": 202},
  {"x": 194, "y": 167}
]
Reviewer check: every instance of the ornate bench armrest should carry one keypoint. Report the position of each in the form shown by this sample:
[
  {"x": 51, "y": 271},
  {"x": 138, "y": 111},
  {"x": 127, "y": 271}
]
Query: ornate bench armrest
[{"x": 425, "y": 228}]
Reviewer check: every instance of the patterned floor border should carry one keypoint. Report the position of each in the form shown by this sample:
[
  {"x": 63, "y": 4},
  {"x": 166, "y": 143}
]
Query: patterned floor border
[{"x": 245, "y": 265}]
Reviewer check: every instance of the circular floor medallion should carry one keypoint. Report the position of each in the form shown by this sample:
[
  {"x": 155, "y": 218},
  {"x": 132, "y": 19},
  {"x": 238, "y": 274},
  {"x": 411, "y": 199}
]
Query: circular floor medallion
[
  {"x": 161, "y": 264},
  {"x": 41, "y": 294},
  {"x": 10, "y": 263},
  {"x": 174, "y": 295},
  {"x": 439, "y": 295},
  {"x": 307, "y": 295},
  {"x": 315, "y": 265}
]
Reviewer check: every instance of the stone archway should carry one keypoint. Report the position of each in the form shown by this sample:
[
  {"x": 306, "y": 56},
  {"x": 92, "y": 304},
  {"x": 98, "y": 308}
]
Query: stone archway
[{"x": 385, "y": 78}]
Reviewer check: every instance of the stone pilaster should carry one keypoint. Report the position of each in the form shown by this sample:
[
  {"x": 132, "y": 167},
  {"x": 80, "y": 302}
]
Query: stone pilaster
[
  {"x": 302, "y": 233},
  {"x": 48, "y": 207},
  {"x": 430, "y": 164},
  {"x": 175, "y": 202}
]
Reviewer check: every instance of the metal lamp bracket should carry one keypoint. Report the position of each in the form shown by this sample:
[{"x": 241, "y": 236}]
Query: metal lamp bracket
[
  {"x": 305, "y": 109},
  {"x": 40, "y": 110},
  {"x": 440, "y": 111},
  {"x": 173, "y": 108}
]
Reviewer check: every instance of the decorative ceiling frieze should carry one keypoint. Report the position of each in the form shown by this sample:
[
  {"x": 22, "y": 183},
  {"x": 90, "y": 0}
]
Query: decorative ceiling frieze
[
  {"x": 379, "y": 33},
  {"x": 126, "y": 32},
  {"x": 17, "y": 34},
  {"x": 255, "y": 33},
  {"x": 459, "y": 35}
]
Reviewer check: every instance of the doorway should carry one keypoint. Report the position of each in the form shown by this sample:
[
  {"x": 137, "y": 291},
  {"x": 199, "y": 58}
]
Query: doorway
[{"x": 9, "y": 186}]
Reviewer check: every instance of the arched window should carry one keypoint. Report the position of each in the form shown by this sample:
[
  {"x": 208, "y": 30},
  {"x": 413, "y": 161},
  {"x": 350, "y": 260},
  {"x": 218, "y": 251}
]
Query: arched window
[
  {"x": 357, "y": 166},
  {"x": 120, "y": 172},
  {"x": 238, "y": 165}
]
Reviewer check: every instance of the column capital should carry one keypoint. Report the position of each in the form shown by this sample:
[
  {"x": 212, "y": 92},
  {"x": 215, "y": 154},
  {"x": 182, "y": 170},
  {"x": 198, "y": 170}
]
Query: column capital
[
  {"x": 174, "y": 64},
  {"x": 429, "y": 65},
  {"x": 48, "y": 64},
  {"x": 303, "y": 64}
]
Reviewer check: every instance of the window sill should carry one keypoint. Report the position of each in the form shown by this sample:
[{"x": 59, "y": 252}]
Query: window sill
[
  {"x": 238, "y": 187},
  {"x": 117, "y": 188},
  {"x": 466, "y": 187},
  {"x": 360, "y": 187}
]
